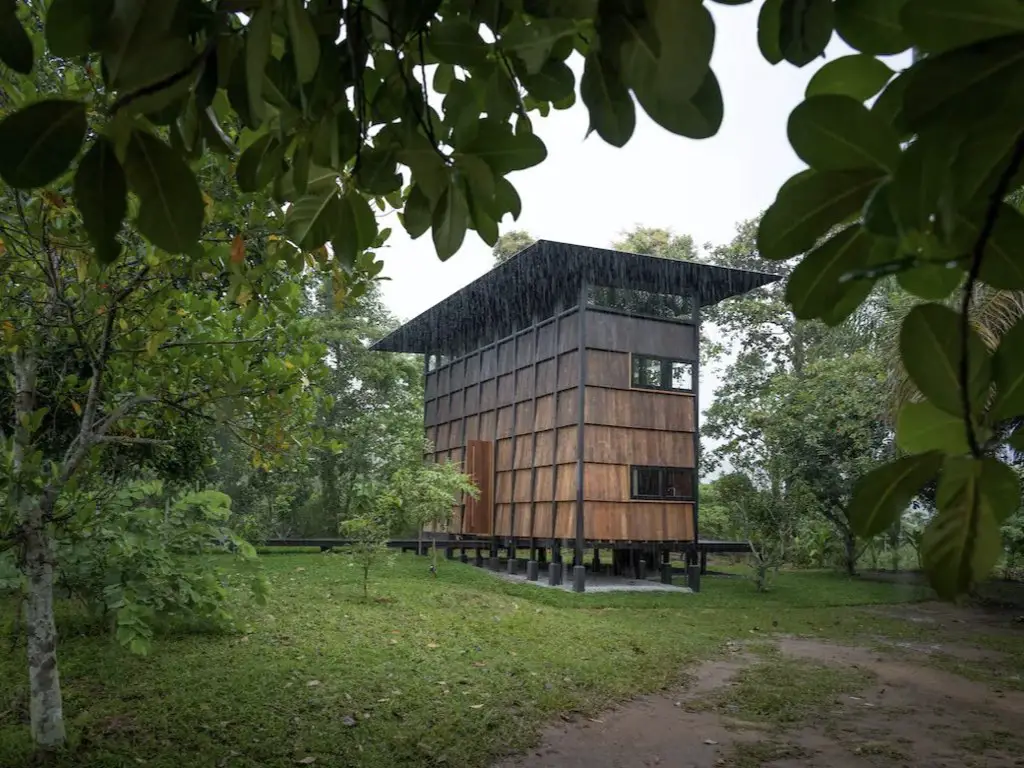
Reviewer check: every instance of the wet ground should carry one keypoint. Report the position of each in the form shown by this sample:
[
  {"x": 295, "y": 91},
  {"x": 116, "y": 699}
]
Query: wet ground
[{"x": 904, "y": 709}]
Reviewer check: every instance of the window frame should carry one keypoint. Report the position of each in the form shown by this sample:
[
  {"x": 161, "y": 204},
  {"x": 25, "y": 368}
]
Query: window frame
[
  {"x": 666, "y": 373},
  {"x": 662, "y": 475}
]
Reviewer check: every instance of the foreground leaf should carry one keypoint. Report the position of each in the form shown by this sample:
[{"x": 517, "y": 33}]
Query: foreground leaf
[
  {"x": 15, "y": 44},
  {"x": 1002, "y": 263},
  {"x": 805, "y": 29},
  {"x": 1008, "y": 372},
  {"x": 807, "y": 206},
  {"x": 503, "y": 150},
  {"x": 930, "y": 348},
  {"x": 962, "y": 543},
  {"x": 450, "y": 220},
  {"x": 38, "y": 142},
  {"x": 859, "y": 76},
  {"x": 815, "y": 286},
  {"x": 921, "y": 427},
  {"x": 960, "y": 87},
  {"x": 101, "y": 195},
  {"x": 938, "y": 25},
  {"x": 837, "y": 133},
  {"x": 769, "y": 24},
  {"x": 304, "y": 42},
  {"x": 170, "y": 202},
  {"x": 73, "y": 26},
  {"x": 612, "y": 113},
  {"x": 872, "y": 26},
  {"x": 310, "y": 219},
  {"x": 883, "y": 494}
]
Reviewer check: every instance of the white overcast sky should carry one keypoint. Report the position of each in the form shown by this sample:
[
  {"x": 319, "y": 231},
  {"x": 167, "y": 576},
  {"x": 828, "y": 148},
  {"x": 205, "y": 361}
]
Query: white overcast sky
[{"x": 587, "y": 192}]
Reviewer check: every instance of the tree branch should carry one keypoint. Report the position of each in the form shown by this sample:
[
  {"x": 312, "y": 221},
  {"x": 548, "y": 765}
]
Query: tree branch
[{"x": 125, "y": 440}]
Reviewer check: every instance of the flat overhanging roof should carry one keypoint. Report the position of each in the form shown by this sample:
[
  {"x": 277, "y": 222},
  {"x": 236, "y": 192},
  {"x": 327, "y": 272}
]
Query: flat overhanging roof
[{"x": 535, "y": 282}]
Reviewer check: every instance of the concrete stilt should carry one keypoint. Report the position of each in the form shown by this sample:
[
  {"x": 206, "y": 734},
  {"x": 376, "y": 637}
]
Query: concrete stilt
[
  {"x": 641, "y": 569},
  {"x": 579, "y": 578},
  {"x": 513, "y": 566},
  {"x": 531, "y": 570},
  {"x": 555, "y": 574},
  {"x": 693, "y": 577}
]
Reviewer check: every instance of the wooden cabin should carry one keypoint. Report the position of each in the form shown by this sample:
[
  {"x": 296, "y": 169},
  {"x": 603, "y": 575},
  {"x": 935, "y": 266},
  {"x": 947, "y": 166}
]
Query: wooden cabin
[{"x": 566, "y": 380}]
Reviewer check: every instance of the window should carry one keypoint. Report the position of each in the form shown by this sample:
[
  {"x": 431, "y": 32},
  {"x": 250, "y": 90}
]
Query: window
[
  {"x": 662, "y": 373},
  {"x": 667, "y": 306},
  {"x": 675, "y": 483}
]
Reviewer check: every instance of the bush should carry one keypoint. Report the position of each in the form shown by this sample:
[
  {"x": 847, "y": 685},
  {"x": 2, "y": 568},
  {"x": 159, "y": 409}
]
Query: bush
[{"x": 141, "y": 562}]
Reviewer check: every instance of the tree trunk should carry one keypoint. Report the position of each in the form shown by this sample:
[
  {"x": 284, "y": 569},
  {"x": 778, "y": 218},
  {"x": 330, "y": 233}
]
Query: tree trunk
[
  {"x": 850, "y": 542},
  {"x": 46, "y": 707}
]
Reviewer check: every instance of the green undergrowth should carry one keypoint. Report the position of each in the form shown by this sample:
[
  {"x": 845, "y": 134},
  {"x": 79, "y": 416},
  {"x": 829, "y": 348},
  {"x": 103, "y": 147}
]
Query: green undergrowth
[{"x": 454, "y": 670}]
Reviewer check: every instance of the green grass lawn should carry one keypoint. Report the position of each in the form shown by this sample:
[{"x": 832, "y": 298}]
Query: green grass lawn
[{"x": 448, "y": 671}]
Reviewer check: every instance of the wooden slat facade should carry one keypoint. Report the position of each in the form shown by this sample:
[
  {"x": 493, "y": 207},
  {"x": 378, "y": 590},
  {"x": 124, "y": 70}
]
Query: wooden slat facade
[{"x": 514, "y": 409}]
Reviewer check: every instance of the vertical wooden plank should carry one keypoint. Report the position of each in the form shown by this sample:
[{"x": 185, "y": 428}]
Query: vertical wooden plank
[
  {"x": 555, "y": 557},
  {"x": 696, "y": 418}
]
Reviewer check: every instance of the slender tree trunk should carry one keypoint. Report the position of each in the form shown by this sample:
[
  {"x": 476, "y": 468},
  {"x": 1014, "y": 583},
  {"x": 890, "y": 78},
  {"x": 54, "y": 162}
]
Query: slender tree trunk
[
  {"x": 46, "y": 709},
  {"x": 850, "y": 542}
]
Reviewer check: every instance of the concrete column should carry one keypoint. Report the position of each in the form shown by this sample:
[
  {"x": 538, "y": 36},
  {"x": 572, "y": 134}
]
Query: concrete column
[
  {"x": 555, "y": 574},
  {"x": 641, "y": 569},
  {"x": 531, "y": 570},
  {"x": 513, "y": 566},
  {"x": 666, "y": 573},
  {"x": 693, "y": 577},
  {"x": 579, "y": 578}
]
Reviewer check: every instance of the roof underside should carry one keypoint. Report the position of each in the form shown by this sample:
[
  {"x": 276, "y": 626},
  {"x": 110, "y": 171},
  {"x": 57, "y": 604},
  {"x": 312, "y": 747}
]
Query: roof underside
[{"x": 537, "y": 281}]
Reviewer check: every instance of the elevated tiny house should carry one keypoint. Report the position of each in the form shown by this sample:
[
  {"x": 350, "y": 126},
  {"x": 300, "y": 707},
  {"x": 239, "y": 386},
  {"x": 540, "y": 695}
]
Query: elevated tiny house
[{"x": 567, "y": 382}]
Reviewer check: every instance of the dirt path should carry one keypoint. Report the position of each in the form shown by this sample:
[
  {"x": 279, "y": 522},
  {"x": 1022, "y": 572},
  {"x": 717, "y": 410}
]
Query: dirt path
[{"x": 910, "y": 715}]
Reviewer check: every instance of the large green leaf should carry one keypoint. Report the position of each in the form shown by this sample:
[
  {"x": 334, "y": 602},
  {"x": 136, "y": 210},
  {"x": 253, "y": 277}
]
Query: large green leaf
[
  {"x": 930, "y": 348},
  {"x": 921, "y": 427},
  {"x": 449, "y": 221},
  {"x": 457, "y": 41},
  {"x": 807, "y": 206},
  {"x": 170, "y": 202},
  {"x": 503, "y": 150},
  {"x": 930, "y": 281},
  {"x": 310, "y": 219},
  {"x": 257, "y": 52},
  {"x": 938, "y": 25},
  {"x": 247, "y": 170},
  {"x": 699, "y": 118},
  {"x": 769, "y": 27},
  {"x": 815, "y": 286},
  {"x": 668, "y": 76},
  {"x": 882, "y": 495},
  {"x": 304, "y": 43},
  {"x": 872, "y": 26},
  {"x": 346, "y": 237},
  {"x": 877, "y": 216},
  {"x": 15, "y": 44},
  {"x": 858, "y": 76},
  {"x": 532, "y": 43},
  {"x": 838, "y": 133},
  {"x": 1002, "y": 263},
  {"x": 73, "y": 27},
  {"x": 506, "y": 198},
  {"x": 982, "y": 157},
  {"x": 38, "y": 142},
  {"x": 141, "y": 48},
  {"x": 962, "y": 543},
  {"x": 889, "y": 105},
  {"x": 416, "y": 214},
  {"x": 377, "y": 171},
  {"x": 961, "y": 87},
  {"x": 1008, "y": 371},
  {"x": 611, "y": 109},
  {"x": 921, "y": 186},
  {"x": 363, "y": 218},
  {"x": 805, "y": 29},
  {"x": 101, "y": 195},
  {"x": 554, "y": 82}
]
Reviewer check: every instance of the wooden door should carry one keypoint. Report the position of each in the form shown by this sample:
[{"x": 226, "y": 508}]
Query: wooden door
[{"x": 480, "y": 467}]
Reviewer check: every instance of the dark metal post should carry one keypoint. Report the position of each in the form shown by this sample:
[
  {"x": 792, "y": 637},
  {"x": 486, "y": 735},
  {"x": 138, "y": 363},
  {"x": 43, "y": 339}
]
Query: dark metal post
[
  {"x": 555, "y": 558},
  {"x": 578, "y": 577},
  {"x": 696, "y": 420},
  {"x": 512, "y": 462}
]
